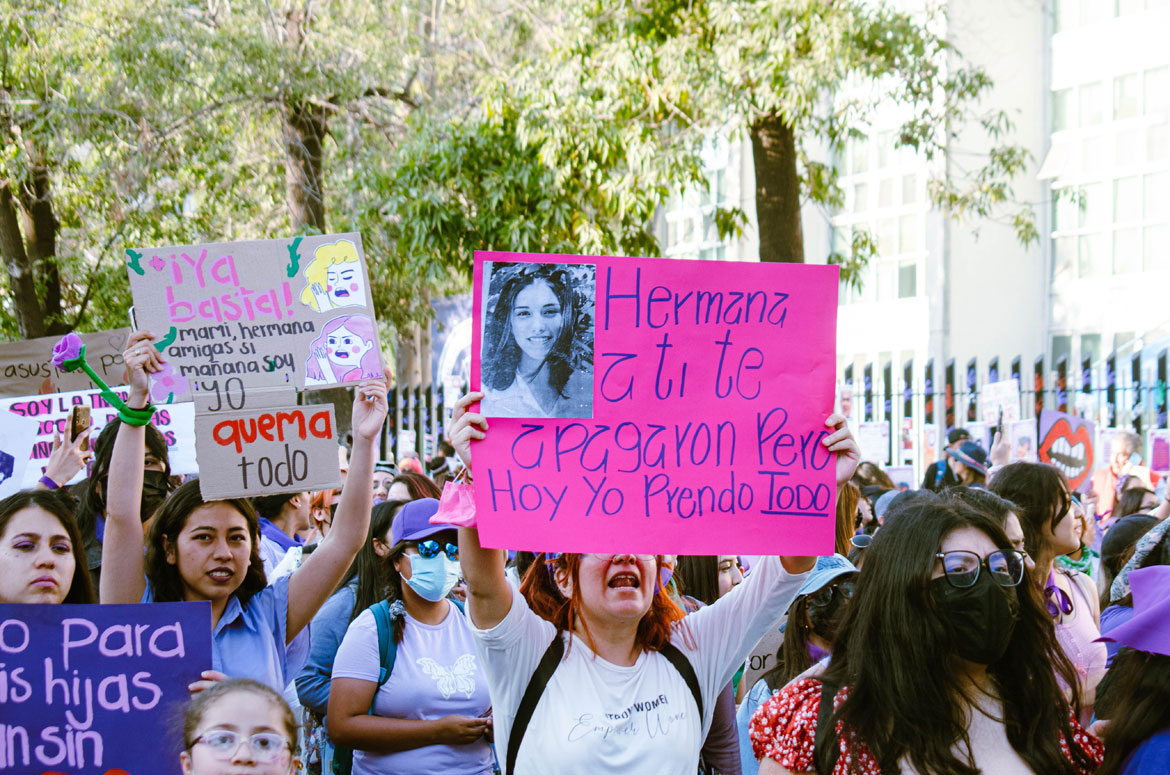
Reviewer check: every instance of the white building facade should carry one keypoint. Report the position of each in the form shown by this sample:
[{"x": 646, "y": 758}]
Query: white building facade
[{"x": 1087, "y": 85}]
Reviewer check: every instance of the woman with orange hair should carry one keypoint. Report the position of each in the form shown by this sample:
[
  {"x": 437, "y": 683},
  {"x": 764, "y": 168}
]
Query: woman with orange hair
[{"x": 592, "y": 667}]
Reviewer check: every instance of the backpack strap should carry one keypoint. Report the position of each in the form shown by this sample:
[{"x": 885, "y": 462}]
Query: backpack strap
[
  {"x": 687, "y": 670},
  {"x": 826, "y": 732},
  {"x": 536, "y": 684},
  {"x": 387, "y": 648}
]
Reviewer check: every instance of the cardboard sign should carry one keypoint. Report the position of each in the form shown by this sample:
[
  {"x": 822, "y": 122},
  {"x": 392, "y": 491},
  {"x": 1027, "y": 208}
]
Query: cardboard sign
[
  {"x": 1022, "y": 438},
  {"x": 18, "y": 437},
  {"x": 92, "y": 690},
  {"x": 1066, "y": 441},
  {"x": 999, "y": 397},
  {"x": 874, "y": 440},
  {"x": 930, "y": 444},
  {"x": 272, "y": 313},
  {"x": 51, "y": 413},
  {"x": 27, "y": 371},
  {"x": 1159, "y": 450},
  {"x": 761, "y": 659},
  {"x": 980, "y": 434},
  {"x": 652, "y": 405},
  {"x": 267, "y": 450}
]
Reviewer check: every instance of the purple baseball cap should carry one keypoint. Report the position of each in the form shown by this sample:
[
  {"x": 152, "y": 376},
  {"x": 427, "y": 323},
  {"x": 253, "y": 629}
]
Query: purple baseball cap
[
  {"x": 413, "y": 521},
  {"x": 1149, "y": 629}
]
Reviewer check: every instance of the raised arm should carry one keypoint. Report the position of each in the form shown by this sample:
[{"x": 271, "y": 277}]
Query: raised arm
[
  {"x": 313, "y": 582},
  {"x": 488, "y": 595},
  {"x": 123, "y": 565}
]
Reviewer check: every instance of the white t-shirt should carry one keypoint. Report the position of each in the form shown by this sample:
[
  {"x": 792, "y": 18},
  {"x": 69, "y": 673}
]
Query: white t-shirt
[
  {"x": 436, "y": 673},
  {"x": 597, "y": 717}
]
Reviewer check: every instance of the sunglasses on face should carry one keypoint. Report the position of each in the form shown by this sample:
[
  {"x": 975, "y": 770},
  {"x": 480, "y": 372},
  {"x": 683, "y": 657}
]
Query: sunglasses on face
[
  {"x": 824, "y": 596},
  {"x": 267, "y": 747},
  {"x": 962, "y": 567},
  {"x": 431, "y": 548}
]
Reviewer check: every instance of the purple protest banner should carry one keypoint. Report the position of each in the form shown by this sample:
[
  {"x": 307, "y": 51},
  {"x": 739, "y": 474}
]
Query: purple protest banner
[
  {"x": 94, "y": 689},
  {"x": 651, "y": 405}
]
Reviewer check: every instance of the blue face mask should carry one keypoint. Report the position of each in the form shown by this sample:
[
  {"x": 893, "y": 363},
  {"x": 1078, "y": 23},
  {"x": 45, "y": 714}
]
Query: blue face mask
[{"x": 434, "y": 577}]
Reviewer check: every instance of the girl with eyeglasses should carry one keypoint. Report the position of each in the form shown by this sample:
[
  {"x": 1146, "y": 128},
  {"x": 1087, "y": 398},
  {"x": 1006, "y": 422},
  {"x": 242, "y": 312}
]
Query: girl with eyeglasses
[
  {"x": 430, "y": 712},
  {"x": 1048, "y": 515},
  {"x": 809, "y": 632},
  {"x": 238, "y": 727},
  {"x": 592, "y": 667},
  {"x": 943, "y": 665}
]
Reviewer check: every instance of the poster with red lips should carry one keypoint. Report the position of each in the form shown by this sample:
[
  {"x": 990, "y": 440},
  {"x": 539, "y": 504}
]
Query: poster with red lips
[{"x": 1067, "y": 442}]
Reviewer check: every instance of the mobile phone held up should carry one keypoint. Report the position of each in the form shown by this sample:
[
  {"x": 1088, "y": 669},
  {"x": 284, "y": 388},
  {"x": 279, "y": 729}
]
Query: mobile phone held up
[{"x": 79, "y": 421}]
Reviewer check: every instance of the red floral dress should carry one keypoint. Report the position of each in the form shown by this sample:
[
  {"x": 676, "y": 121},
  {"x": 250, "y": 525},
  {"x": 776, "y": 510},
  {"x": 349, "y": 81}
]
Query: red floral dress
[{"x": 784, "y": 728}]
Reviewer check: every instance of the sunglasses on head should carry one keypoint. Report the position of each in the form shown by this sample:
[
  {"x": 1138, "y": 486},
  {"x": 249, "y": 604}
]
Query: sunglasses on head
[
  {"x": 962, "y": 567},
  {"x": 431, "y": 548}
]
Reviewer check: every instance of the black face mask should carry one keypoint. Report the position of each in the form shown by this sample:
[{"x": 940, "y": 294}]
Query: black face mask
[
  {"x": 155, "y": 489},
  {"x": 980, "y": 618},
  {"x": 826, "y": 619}
]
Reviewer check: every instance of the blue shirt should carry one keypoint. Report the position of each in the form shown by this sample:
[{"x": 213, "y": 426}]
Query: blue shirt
[
  {"x": 249, "y": 641},
  {"x": 329, "y": 626},
  {"x": 1151, "y": 757},
  {"x": 754, "y": 699}
]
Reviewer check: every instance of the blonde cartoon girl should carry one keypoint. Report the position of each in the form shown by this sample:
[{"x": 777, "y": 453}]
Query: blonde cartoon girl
[
  {"x": 335, "y": 278},
  {"x": 345, "y": 351}
]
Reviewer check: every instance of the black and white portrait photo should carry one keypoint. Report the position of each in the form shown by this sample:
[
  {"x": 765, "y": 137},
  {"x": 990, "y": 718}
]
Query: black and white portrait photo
[{"x": 537, "y": 357}]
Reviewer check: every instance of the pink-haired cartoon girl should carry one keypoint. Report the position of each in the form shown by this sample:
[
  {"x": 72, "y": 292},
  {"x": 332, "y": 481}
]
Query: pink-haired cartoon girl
[{"x": 346, "y": 351}]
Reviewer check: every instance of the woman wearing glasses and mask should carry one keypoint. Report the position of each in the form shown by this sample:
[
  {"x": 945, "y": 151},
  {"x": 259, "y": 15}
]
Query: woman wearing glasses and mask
[
  {"x": 943, "y": 664},
  {"x": 429, "y": 710}
]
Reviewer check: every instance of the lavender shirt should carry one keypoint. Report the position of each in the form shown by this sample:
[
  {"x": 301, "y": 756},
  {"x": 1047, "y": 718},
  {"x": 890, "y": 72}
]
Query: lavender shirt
[{"x": 436, "y": 673}]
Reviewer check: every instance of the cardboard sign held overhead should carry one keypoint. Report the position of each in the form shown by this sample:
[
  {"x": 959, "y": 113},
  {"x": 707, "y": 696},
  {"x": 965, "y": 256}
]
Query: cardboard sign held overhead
[
  {"x": 1067, "y": 442},
  {"x": 252, "y": 315},
  {"x": 94, "y": 689},
  {"x": 264, "y": 450},
  {"x": 26, "y": 369},
  {"x": 874, "y": 440},
  {"x": 997, "y": 397},
  {"x": 650, "y": 405}
]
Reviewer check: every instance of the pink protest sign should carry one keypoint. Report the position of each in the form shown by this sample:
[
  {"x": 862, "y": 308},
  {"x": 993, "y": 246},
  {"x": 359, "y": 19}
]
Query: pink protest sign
[{"x": 652, "y": 405}]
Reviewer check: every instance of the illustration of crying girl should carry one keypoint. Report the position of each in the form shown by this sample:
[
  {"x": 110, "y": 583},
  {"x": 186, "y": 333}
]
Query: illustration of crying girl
[
  {"x": 346, "y": 351},
  {"x": 335, "y": 278}
]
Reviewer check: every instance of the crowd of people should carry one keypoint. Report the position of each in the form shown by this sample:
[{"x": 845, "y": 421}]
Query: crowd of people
[{"x": 992, "y": 621}]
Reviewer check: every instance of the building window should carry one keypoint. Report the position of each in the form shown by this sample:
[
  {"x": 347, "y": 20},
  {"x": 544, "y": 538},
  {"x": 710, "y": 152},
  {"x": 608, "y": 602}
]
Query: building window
[
  {"x": 1127, "y": 96},
  {"x": 1092, "y": 104},
  {"x": 1157, "y": 88},
  {"x": 1062, "y": 110},
  {"x": 907, "y": 279}
]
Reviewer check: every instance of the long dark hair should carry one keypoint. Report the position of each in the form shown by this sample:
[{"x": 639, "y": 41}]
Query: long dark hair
[
  {"x": 698, "y": 576},
  {"x": 93, "y": 497},
  {"x": 1130, "y": 502},
  {"x": 373, "y": 575},
  {"x": 792, "y": 658},
  {"x": 1141, "y": 682},
  {"x": 501, "y": 354},
  {"x": 166, "y": 584},
  {"x": 1041, "y": 495},
  {"x": 81, "y": 587},
  {"x": 895, "y": 654}
]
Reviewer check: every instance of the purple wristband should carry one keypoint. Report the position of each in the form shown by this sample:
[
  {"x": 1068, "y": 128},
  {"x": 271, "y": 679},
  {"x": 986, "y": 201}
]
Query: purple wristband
[{"x": 45, "y": 480}]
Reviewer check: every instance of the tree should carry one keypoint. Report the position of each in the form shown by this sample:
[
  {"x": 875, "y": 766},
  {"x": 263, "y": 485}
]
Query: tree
[{"x": 796, "y": 77}]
